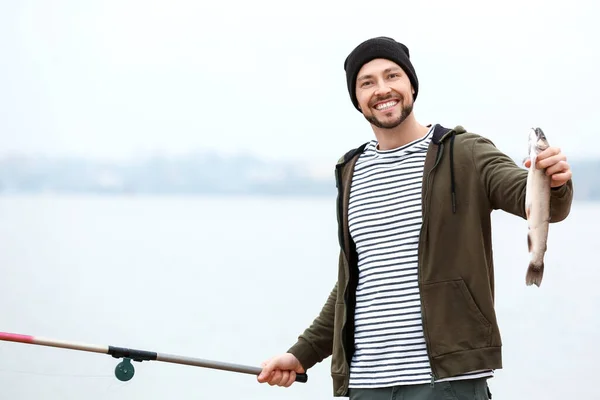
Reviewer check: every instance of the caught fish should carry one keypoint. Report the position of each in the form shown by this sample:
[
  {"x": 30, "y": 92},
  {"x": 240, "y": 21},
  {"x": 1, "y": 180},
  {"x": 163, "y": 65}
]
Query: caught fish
[{"x": 537, "y": 208}]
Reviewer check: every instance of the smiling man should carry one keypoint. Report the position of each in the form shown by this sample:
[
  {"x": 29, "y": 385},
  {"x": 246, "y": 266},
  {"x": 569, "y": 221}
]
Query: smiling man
[{"x": 411, "y": 315}]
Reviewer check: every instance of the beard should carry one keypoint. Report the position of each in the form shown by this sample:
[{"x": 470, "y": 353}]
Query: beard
[{"x": 405, "y": 112}]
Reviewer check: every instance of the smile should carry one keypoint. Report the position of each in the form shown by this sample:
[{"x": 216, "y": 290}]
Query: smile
[{"x": 386, "y": 106}]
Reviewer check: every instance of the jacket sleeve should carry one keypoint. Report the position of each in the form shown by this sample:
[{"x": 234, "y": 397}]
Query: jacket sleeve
[
  {"x": 505, "y": 183},
  {"x": 316, "y": 342}
]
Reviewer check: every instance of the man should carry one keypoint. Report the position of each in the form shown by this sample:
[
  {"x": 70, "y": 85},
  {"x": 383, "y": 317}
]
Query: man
[{"x": 411, "y": 315}]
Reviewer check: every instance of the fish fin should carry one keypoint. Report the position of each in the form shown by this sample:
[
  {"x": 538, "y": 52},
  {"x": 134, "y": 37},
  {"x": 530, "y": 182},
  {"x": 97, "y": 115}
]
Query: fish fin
[
  {"x": 535, "y": 274},
  {"x": 529, "y": 245}
]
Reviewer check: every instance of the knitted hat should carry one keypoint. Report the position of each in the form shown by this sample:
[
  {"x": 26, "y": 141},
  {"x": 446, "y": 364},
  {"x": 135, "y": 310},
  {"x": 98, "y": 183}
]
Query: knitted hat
[{"x": 379, "y": 47}]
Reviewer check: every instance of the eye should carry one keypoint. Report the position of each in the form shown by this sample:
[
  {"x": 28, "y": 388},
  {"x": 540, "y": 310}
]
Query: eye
[
  {"x": 394, "y": 75},
  {"x": 364, "y": 83}
]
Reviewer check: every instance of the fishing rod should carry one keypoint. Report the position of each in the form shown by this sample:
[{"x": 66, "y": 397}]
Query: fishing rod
[{"x": 124, "y": 371}]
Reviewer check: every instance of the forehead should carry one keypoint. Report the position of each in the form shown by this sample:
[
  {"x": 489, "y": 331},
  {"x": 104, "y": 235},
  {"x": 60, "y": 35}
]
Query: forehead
[{"x": 377, "y": 66}]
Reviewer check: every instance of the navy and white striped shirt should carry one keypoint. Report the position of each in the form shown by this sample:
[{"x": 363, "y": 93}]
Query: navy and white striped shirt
[{"x": 385, "y": 221}]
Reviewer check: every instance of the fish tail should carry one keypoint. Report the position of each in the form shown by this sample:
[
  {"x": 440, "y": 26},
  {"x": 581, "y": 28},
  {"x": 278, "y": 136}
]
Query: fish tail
[{"x": 535, "y": 273}]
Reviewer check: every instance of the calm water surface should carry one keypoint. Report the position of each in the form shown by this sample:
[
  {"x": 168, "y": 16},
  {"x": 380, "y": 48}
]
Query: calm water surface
[{"x": 237, "y": 279}]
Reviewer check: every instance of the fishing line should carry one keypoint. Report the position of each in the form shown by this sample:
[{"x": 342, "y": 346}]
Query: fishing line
[
  {"x": 18, "y": 371},
  {"x": 55, "y": 374},
  {"x": 106, "y": 392}
]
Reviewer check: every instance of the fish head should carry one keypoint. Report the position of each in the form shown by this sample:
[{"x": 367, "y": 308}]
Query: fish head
[{"x": 537, "y": 140}]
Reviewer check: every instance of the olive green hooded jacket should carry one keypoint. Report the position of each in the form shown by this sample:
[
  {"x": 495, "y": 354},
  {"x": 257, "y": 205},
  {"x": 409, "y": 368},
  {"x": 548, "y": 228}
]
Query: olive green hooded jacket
[{"x": 465, "y": 178}]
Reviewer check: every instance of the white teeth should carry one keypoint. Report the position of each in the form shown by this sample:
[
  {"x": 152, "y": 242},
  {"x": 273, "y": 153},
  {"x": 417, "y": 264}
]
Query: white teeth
[{"x": 386, "y": 105}]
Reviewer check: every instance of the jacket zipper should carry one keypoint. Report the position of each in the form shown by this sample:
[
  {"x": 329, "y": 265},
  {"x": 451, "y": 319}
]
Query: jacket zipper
[{"x": 425, "y": 220}]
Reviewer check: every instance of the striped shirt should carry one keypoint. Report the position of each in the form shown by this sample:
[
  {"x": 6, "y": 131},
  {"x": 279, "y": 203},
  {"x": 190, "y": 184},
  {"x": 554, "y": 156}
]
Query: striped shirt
[{"x": 385, "y": 221}]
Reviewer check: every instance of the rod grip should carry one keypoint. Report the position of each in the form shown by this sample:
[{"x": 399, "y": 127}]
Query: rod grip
[{"x": 302, "y": 378}]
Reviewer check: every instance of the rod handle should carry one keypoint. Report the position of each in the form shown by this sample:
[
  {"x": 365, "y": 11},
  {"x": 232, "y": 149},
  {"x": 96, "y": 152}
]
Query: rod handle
[{"x": 302, "y": 378}]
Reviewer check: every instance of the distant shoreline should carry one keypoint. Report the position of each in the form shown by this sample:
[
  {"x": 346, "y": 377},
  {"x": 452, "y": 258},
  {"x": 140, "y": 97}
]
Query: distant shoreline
[
  {"x": 201, "y": 175},
  {"x": 196, "y": 196}
]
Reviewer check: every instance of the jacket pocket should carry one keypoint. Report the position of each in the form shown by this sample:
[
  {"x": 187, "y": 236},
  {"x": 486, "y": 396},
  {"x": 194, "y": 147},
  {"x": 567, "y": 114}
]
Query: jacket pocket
[
  {"x": 454, "y": 322},
  {"x": 338, "y": 355}
]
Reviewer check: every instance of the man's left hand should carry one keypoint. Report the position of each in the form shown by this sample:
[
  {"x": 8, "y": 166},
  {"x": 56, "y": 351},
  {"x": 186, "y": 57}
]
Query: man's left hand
[{"x": 556, "y": 165}]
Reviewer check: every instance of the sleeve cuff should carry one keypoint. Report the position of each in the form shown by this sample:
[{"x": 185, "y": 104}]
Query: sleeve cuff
[{"x": 304, "y": 352}]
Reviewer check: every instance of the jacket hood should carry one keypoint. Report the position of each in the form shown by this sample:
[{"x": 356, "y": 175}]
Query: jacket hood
[{"x": 440, "y": 135}]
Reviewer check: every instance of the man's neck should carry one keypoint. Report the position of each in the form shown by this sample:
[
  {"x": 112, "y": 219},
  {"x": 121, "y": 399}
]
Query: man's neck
[{"x": 408, "y": 131}]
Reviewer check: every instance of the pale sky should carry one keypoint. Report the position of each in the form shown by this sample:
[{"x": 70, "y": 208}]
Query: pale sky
[{"x": 131, "y": 77}]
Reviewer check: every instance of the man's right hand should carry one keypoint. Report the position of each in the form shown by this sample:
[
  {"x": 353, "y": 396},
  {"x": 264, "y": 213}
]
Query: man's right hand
[{"x": 280, "y": 370}]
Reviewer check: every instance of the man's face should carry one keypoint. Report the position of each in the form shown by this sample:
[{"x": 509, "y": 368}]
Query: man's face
[{"x": 384, "y": 93}]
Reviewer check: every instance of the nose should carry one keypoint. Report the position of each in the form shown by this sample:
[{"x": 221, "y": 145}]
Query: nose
[{"x": 382, "y": 88}]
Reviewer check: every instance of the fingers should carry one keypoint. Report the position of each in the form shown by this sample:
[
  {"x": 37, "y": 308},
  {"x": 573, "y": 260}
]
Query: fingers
[
  {"x": 291, "y": 379},
  {"x": 556, "y": 165},
  {"x": 279, "y": 377},
  {"x": 276, "y": 378},
  {"x": 560, "y": 167},
  {"x": 280, "y": 370},
  {"x": 285, "y": 377},
  {"x": 561, "y": 179},
  {"x": 549, "y": 152},
  {"x": 550, "y": 160},
  {"x": 267, "y": 371}
]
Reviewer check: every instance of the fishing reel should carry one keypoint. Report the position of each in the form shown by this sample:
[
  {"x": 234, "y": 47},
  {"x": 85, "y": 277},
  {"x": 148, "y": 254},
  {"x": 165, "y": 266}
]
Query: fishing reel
[{"x": 124, "y": 370}]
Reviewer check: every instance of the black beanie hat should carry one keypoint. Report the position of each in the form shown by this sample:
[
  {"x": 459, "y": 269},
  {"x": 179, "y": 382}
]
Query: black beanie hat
[{"x": 379, "y": 47}]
